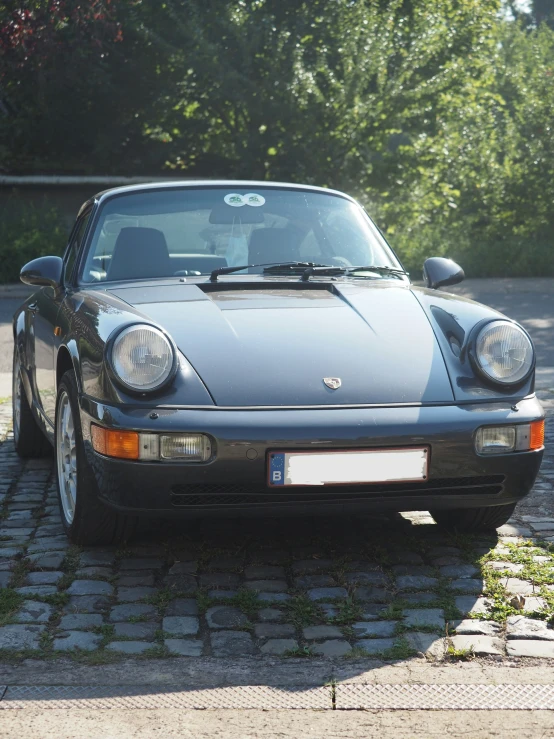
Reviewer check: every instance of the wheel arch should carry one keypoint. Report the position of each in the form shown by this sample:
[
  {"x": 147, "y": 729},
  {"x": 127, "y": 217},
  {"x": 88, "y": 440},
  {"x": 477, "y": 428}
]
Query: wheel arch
[
  {"x": 20, "y": 350},
  {"x": 67, "y": 360}
]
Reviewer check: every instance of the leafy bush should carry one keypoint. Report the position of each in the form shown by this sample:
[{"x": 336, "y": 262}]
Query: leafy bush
[
  {"x": 27, "y": 232},
  {"x": 479, "y": 253}
]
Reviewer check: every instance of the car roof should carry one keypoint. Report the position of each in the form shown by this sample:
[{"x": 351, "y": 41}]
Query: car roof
[{"x": 206, "y": 183}]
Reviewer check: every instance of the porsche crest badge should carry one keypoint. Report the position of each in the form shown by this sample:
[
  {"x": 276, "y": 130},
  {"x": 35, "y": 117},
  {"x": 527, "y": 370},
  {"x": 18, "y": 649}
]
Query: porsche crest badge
[{"x": 332, "y": 382}]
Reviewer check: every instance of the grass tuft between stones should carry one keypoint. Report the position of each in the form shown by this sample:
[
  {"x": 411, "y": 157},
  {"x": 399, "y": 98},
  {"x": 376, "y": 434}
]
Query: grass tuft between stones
[
  {"x": 10, "y": 603},
  {"x": 357, "y": 653},
  {"x": 203, "y": 601},
  {"x": 56, "y": 599},
  {"x": 138, "y": 619},
  {"x": 459, "y": 655},
  {"x": 106, "y": 631},
  {"x": 401, "y": 649},
  {"x": 19, "y": 572},
  {"x": 299, "y": 652},
  {"x": 71, "y": 559},
  {"x": 16, "y": 656},
  {"x": 349, "y": 611},
  {"x": 247, "y": 601},
  {"x": 301, "y": 611},
  {"x": 162, "y": 598},
  {"x": 540, "y": 574}
]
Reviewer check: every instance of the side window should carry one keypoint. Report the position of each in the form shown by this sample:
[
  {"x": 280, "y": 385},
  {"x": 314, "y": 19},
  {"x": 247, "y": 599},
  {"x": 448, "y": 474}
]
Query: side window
[{"x": 75, "y": 245}]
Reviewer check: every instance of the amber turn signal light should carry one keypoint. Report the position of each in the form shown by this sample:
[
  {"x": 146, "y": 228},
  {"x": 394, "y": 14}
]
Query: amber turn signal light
[
  {"x": 112, "y": 443},
  {"x": 537, "y": 435}
]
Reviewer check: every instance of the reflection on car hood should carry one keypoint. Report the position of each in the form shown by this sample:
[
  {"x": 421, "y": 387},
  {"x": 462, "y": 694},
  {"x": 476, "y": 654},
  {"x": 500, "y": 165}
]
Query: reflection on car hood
[{"x": 257, "y": 344}]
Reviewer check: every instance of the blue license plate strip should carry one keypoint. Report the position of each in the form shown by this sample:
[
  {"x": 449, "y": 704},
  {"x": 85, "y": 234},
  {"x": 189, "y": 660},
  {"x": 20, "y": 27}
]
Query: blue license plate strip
[{"x": 277, "y": 468}]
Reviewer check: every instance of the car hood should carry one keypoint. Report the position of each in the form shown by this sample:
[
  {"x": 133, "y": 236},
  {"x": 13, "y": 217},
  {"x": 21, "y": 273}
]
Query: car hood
[{"x": 274, "y": 344}]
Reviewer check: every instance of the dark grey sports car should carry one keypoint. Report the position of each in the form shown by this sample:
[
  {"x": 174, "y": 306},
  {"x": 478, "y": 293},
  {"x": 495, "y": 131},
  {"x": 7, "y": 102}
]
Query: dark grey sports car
[{"x": 244, "y": 347}]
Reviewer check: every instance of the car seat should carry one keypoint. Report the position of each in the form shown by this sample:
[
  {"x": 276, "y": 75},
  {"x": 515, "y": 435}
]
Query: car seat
[
  {"x": 139, "y": 253},
  {"x": 273, "y": 245}
]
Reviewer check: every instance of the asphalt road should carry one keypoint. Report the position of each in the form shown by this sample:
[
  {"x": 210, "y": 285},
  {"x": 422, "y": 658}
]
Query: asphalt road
[
  {"x": 8, "y": 306},
  {"x": 529, "y": 301}
]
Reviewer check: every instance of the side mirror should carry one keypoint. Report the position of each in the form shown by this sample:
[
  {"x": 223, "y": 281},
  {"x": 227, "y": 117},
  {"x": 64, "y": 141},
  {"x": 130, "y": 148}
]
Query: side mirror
[
  {"x": 44, "y": 271},
  {"x": 439, "y": 272}
]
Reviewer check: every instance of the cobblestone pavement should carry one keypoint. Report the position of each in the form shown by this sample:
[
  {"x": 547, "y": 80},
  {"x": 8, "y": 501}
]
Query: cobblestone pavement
[{"x": 391, "y": 587}]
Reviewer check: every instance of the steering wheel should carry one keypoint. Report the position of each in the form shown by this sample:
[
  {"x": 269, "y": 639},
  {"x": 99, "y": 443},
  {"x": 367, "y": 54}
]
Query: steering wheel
[{"x": 341, "y": 262}]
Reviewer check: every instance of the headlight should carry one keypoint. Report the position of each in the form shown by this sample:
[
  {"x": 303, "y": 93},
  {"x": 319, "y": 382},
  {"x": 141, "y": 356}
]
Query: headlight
[
  {"x": 504, "y": 352},
  {"x": 142, "y": 358}
]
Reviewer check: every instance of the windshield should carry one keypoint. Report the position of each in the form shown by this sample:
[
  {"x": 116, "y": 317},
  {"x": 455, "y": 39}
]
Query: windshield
[{"x": 191, "y": 232}]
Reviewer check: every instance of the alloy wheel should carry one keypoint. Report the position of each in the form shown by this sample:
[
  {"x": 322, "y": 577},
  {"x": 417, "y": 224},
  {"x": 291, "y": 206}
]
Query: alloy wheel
[
  {"x": 66, "y": 457},
  {"x": 16, "y": 398}
]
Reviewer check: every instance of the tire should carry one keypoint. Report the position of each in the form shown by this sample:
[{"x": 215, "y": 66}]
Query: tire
[
  {"x": 85, "y": 518},
  {"x": 29, "y": 439},
  {"x": 474, "y": 520}
]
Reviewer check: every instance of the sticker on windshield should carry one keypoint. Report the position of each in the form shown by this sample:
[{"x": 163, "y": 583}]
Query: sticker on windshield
[
  {"x": 252, "y": 198},
  {"x": 235, "y": 200}
]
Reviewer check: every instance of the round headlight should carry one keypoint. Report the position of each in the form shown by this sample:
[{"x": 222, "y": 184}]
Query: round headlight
[
  {"x": 504, "y": 352},
  {"x": 142, "y": 358}
]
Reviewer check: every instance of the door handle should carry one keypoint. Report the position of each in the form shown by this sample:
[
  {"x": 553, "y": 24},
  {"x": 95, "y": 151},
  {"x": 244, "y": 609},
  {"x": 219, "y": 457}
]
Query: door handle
[{"x": 32, "y": 308}]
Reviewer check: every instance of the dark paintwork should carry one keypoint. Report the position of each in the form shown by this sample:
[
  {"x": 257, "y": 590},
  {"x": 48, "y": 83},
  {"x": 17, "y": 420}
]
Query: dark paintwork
[
  {"x": 43, "y": 271},
  {"x": 254, "y": 351},
  {"x": 441, "y": 272},
  {"x": 273, "y": 345},
  {"x": 448, "y": 429}
]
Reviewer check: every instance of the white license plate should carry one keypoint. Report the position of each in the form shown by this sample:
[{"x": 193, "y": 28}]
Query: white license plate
[{"x": 348, "y": 467}]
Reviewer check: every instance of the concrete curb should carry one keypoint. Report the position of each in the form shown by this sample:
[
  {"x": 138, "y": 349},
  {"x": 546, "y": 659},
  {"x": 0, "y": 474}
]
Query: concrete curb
[
  {"x": 391, "y": 697},
  {"x": 211, "y": 672}
]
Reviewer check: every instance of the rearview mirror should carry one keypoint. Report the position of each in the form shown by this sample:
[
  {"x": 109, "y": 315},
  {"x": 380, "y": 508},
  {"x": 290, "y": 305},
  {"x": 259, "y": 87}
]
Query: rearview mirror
[
  {"x": 44, "y": 271},
  {"x": 439, "y": 272}
]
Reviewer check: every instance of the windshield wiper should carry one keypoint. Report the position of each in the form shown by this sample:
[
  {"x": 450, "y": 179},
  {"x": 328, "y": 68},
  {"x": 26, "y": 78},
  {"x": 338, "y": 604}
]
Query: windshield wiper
[
  {"x": 317, "y": 270},
  {"x": 307, "y": 268},
  {"x": 294, "y": 267},
  {"x": 271, "y": 267},
  {"x": 377, "y": 268}
]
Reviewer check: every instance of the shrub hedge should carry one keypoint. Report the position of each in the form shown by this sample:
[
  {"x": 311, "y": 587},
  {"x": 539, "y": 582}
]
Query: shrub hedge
[{"x": 28, "y": 231}]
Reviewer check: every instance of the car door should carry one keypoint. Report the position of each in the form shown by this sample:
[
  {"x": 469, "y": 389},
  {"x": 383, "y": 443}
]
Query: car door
[{"x": 43, "y": 315}]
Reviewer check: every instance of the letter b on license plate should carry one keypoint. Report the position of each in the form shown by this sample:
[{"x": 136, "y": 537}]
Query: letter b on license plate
[{"x": 277, "y": 468}]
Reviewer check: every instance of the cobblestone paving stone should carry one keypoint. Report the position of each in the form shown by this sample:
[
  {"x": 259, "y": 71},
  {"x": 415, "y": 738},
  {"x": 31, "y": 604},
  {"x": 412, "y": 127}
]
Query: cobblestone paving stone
[{"x": 387, "y": 587}]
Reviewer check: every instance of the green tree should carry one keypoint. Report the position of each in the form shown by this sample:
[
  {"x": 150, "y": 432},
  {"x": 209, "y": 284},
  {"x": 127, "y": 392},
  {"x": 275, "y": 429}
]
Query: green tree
[
  {"x": 75, "y": 87},
  {"x": 435, "y": 113},
  {"x": 316, "y": 90},
  {"x": 486, "y": 188}
]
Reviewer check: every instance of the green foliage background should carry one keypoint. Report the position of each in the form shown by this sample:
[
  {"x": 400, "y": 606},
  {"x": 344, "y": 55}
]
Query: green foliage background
[
  {"x": 27, "y": 232},
  {"x": 437, "y": 114}
]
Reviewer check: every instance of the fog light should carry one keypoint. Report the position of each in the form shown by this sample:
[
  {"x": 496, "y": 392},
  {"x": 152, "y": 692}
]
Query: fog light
[
  {"x": 495, "y": 439},
  {"x": 524, "y": 437},
  {"x": 192, "y": 447}
]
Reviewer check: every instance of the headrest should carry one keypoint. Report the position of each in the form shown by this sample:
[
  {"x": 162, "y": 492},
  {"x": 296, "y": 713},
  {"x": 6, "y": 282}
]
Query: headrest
[
  {"x": 139, "y": 253},
  {"x": 269, "y": 245}
]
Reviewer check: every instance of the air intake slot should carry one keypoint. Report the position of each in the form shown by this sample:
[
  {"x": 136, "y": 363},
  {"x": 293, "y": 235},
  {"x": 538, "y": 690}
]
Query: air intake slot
[{"x": 206, "y": 496}]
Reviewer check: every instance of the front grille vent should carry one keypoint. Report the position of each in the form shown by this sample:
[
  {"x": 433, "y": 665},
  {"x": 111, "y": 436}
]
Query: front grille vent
[{"x": 206, "y": 495}]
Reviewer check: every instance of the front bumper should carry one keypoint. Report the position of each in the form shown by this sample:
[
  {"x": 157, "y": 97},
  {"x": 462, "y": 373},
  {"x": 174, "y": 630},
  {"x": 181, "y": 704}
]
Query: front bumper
[{"x": 234, "y": 481}]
